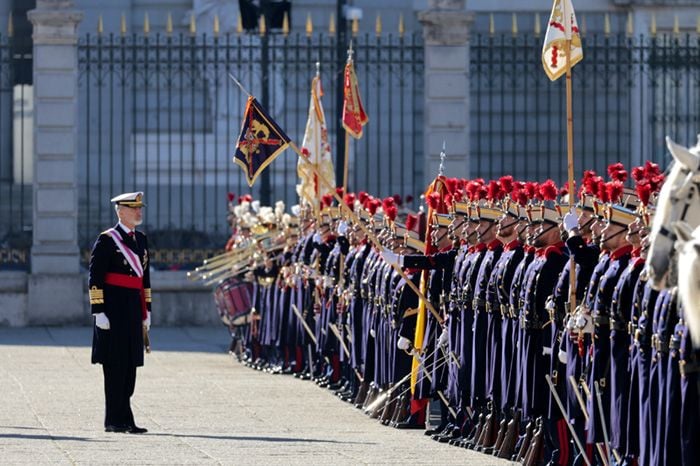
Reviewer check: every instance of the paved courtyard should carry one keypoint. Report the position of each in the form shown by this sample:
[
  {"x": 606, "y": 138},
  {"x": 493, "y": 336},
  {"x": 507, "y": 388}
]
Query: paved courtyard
[{"x": 200, "y": 406}]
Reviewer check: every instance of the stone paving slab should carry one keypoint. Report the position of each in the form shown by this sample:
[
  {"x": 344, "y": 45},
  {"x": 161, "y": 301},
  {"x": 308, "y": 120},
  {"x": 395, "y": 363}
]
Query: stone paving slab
[{"x": 200, "y": 406}]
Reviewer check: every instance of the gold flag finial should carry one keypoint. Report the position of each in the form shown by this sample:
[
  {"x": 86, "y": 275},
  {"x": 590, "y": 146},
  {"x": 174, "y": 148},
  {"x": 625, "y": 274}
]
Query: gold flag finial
[
  {"x": 100, "y": 25},
  {"x": 606, "y": 27},
  {"x": 355, "y": 27},
  {"x": 402, "y": 28},
  {"x": 146, "y": 24},
  {"x": 514, "y": 25},
  {"x": 285, "y": 24},
  {"x": 331, "y": 24},
  {"x": 378, "y": 25},
  {"x": 676, "y": 25},
  {"x": 169, "y": 24},
  {"x": 652, "y": 27},
  {"x": 122, "y": 27},
  {"x": 239, "y": 25},
  {"x": 10, "y": 26},
  {"x": 492, "y": 25},
  {"x": 217, "y": 26},
  {"x": 263, "y": 25},
  {"x": 630, "y": 25},
  {"x": 538, "y": 28},
  {"x": 309, "y": 25}
]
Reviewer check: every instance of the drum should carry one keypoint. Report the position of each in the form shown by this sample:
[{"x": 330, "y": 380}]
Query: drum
[{"x": 236, "y": 303}]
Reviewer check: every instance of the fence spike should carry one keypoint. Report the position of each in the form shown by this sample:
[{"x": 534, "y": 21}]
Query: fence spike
[
  {"x": 331, "y": 24},
  {"x": 538, "y": 27},
  {"x": 492, "y": 25},
  {"x": 676, "y": 25},
  {"x": 100, "y": 26},
  {"x": 584, "y": 27},
  {"x": 355, "y": 27},
  {"x": 169, "y": 24},
  {"x": 309, "y": 25},
  {"x": 285, "y": 24},
  {"x": 514, "y": 25},
  {"x": 402, "y": 28},
  {"x": 378, "y": 25},
  {"x": 122, "y": 26},
  {"x": 652, "y": 27},
  {"x": 193, "y": 25},
  {"x": 146, "y": 24},
  {"x": 606, "y": 27},
  {"x": 217, "y": 26},
  {"x": 239, "y": 25},
  {"x": 630, "y": 25},
  {"x": 263, "y": 25}
]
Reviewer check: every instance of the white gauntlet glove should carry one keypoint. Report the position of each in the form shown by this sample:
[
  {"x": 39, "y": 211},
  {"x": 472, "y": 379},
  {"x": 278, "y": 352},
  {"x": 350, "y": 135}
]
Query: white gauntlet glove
[
  {"x": 570, "y": 221},
  {"x": 147, "y": 322},
  {"x": 403, "y": 343},
  {"x": 101, "y": 321},
  {"x": 444, "y": 338},
  {"x": 391, "y": 258}
]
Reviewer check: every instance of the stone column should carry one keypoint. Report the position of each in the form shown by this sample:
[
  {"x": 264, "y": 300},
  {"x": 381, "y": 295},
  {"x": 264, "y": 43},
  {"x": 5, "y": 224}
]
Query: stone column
[
  {"x": 55, "y": 285},
  {"x": 446, "y": 29}
]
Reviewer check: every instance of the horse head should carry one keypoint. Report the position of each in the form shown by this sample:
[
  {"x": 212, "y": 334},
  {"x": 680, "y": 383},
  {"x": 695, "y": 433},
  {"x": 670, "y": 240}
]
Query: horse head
[
  {"x": 688, "y": 248},
  {"x": 676, "y": 202}
]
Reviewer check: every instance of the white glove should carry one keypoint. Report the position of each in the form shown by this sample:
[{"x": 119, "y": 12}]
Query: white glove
[
  {"x": 444, "y": 338},
  {"x": 584, "y": 322},
  {"x": 102, "y": 321},
  {"x": 563, "y": 357},
  {"x": 373, "y": 333},
  {"x": 546, "y": 351},
  {"x": 317, "y": 238},
  {"x": 403, "y": 343},
  {"x": 391, "y": 258},
  {"x": 342, "y": 228},
  {"x": 570, "y": 221},
  {"x": 147, "y": 322}
]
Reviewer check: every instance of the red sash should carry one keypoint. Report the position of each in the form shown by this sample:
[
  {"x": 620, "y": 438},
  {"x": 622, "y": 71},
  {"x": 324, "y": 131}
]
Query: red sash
[{"x": 127, "y": 281}]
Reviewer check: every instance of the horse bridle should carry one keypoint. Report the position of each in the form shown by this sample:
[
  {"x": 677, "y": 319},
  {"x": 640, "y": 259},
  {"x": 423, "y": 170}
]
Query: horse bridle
[{"x": 665, "y": 232}]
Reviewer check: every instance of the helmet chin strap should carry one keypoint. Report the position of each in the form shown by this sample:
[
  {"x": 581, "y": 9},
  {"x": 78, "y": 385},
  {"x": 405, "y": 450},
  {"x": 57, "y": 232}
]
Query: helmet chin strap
[
  {"x": 487, "y": 230},
  {"x": 608, "y": 238},
  {"x": 543, "y": 232}
]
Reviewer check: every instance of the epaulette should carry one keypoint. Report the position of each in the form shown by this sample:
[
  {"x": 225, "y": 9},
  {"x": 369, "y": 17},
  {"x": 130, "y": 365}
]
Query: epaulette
[{"x": 550, "y": 250}]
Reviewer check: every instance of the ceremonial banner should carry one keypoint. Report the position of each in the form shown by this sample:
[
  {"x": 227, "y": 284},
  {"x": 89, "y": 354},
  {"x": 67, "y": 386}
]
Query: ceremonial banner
[
  {"x": 316, "y": 149},
  {"x": 561, "y": 26},
  {"x": 261, "y": 140},
  {"x": 354, "y": 116}
]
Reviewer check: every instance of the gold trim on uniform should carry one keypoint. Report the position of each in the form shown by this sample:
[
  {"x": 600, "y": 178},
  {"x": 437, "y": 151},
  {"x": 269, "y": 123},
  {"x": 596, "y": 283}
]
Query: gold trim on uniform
[
  {"x": 97, "y": 296},
  {"x": 147, "y": 294}
]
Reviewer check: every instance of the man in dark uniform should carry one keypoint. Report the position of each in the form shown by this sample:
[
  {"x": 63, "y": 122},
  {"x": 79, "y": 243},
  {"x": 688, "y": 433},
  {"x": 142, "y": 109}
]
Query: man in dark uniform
[{"x": 120, "y": 300}]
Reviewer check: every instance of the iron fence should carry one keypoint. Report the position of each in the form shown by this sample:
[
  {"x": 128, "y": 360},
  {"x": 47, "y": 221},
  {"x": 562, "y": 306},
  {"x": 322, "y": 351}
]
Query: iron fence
[
  {"x": 628, "y": 94},
  {"x": 160, "y": 114}
]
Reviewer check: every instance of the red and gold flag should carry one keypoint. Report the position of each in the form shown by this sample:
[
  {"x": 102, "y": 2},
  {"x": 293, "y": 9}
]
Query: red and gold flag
[{"x": 354, "y": 116}]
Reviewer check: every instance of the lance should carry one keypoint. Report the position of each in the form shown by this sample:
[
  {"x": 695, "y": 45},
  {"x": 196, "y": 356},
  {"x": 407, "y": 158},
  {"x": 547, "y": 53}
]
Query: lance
[
  {"x": 345, "y": 349},
  {"x": 602, "y": 421},
  {"x": 563, "y": 413}
]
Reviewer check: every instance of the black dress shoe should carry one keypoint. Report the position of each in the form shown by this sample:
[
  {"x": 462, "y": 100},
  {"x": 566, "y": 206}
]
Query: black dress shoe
[
  {"x": 111, "y": 428},
  {"x": 136, "y": 430}
]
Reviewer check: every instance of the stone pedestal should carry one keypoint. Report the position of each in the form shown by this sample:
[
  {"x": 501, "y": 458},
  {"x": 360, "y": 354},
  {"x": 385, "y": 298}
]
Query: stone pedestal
[
  {"x": 446, "y": 29},
  {"x": 55, "y": 285}
]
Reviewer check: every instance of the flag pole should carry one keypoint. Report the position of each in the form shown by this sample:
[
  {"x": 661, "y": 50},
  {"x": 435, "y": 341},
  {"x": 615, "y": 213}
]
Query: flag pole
[
  {"x": 369, "y": 234},
  {"x": 570, "y": 151},
  {"x": 346, "y": 157}
]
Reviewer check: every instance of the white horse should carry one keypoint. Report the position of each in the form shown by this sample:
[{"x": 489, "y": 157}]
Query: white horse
[
  {"x": 688, "y": 248},
  {"x": 678, "y": 202}
]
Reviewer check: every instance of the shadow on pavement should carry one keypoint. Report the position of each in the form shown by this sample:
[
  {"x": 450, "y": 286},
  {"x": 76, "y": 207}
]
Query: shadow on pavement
[
  {"x": 48, "y": 437},
  {"x": 258, "y": 439},
  {"x": 185, "y": 339}
]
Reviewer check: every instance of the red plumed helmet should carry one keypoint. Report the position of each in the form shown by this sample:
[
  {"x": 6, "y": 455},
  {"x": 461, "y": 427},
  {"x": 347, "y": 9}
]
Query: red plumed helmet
[
  {"x": 531, "y": 189},
  {"x": 398, "y": 200},
  {"x": 340, "y": 191},
  {"x": 349, "y": 200},
  {"x": 387, "y": 202},
  {"x": 493, "y": 192},
  {"x": 411, "y": 221},
  {"x": 614, "y": 189},
  {"x": 245, "y": 198},
  {"x": 433, "y": 200},
  {"x": 452, "y": 184},
  {"x": 373, "y": 206},
  {"x": 548, "y": 190},
  {"x": 643, "y": 190},
  {"x": 230, "y": 196},
  {"x": 391, "y": 212},
  {"x": 362, "y": 197},
  {"x": 638, "y": 174},
  {"x": 506, "y": 183},
  {"x": 651, "y": 170},
  {"x": 617, "y": 172},
  {"x": 326, "y": 200}
]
